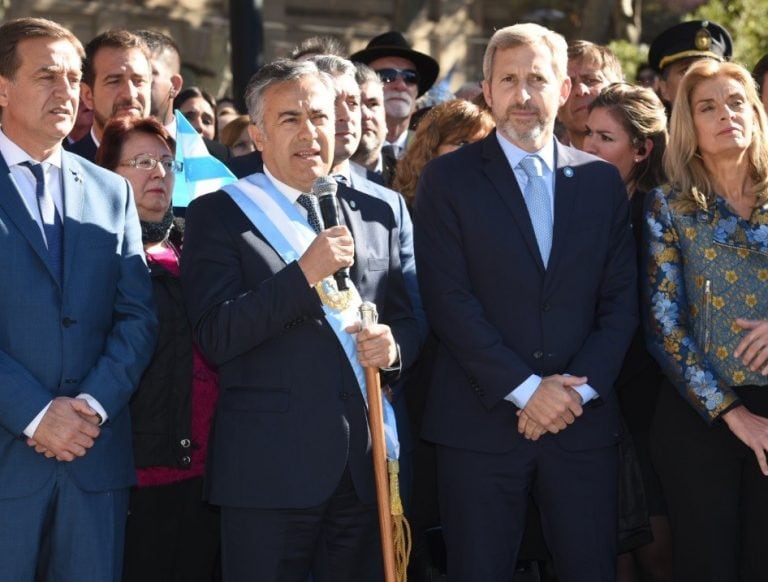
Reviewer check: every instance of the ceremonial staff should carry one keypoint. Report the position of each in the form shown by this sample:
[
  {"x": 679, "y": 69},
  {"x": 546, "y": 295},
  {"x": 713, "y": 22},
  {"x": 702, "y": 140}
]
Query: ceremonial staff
[{"x": 394, "y": 529}]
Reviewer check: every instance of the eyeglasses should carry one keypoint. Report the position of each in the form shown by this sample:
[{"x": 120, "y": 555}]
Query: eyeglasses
[
  {"x": 409, "y": 76},
  {"x": 149, "y": 163}
]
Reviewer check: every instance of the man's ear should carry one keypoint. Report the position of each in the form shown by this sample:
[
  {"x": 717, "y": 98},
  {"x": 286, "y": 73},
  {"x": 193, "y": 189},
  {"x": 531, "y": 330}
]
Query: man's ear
[
  {"x": 487, "y": 93},
  {"x": 177, "y": 82},
  {"x": 86, "y": 94},
  {"x": 257, "y": 136},
  {"x": 4, "y": 85}
]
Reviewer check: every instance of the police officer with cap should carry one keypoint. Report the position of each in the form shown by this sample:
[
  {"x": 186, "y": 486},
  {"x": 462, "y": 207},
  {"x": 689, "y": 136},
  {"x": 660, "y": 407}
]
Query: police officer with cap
[{"x": 675, "y": 49}]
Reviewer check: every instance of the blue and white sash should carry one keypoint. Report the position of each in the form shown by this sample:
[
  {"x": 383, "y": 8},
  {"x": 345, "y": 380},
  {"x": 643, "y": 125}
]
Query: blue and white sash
[{"x": 289, "y": 233}]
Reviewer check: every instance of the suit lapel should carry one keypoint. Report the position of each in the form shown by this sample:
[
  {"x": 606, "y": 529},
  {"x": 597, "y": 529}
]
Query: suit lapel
[
  {"x": 566, "y": 191},
  {"x": 74, "y": 195},
  {"x": 13, "y": 205},
  {"x": 354, "y": 222},
  {"x": 504, "y": 181}
]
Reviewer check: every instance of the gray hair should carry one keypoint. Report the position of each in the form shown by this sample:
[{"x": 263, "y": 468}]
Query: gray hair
[
  {"x": 276, "y": 72},
  {"x": 530, "y": 34},
  {"x": 365, "y": 74},
  {"x": 334, "y": 66}
]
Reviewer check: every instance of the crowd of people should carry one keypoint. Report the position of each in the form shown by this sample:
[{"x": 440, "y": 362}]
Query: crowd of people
[{"x": 570, "y": 272}]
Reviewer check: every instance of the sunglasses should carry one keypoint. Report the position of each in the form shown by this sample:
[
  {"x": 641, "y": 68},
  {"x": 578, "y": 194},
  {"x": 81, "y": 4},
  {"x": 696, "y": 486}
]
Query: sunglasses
[
  {"x": 409, "y": 76},
  {"x": 148, "y": 163}
]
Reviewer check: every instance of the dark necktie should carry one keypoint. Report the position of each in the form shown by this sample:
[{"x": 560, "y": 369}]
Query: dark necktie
[
  {"x": 52, "y": 225},
  {"x": 537, "y": 200},
  {"x": 310, "y": 205},
  {"x": 341, "y": 179}
]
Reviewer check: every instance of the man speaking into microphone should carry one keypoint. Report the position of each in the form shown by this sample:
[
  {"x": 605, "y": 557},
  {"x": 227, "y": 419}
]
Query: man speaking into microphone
[{"x": 289, "y": 460}]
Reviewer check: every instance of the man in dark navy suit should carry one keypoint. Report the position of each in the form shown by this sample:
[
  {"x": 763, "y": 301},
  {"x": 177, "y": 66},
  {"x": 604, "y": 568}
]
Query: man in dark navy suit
[
  {"x": 290, "y": 459},
  {"x": 527, "y": 273}
]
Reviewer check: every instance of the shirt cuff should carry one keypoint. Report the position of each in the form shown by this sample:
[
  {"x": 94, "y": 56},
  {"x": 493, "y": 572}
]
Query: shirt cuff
[
  {"x": 396, "y": 365},
  {"x": 29, "y": 431},
  {"x": 586, "y": 392},
  {"x": 522, "y": 394},
  {"x": 93, "y": 403}
]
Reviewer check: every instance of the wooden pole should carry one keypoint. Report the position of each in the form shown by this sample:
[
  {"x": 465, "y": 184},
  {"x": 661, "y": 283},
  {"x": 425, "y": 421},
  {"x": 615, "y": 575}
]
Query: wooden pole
[{"x": 376, "y": 424}]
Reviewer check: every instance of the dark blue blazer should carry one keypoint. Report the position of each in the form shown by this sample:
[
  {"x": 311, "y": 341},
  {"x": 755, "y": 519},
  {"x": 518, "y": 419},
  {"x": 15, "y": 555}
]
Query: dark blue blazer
[
  {"x": 290, "y": 415},
  {"x": 93, "y": 332},
  {"x": 500, "y": 315}
]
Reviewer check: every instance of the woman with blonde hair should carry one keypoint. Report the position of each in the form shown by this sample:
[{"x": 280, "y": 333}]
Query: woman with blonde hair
[
  {"x": 447, "y": 127},
  {"x": 706, "y": 310}
]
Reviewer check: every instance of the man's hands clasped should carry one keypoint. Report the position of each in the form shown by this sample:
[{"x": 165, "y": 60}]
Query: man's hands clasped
[
  {"x": 67, "y": 430},
  {"x": 552, "y": 407}
]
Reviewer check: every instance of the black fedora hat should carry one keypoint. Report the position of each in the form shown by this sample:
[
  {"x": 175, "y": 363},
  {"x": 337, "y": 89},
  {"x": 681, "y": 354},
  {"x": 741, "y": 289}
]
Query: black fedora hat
[{"x": 393, "y": 44}]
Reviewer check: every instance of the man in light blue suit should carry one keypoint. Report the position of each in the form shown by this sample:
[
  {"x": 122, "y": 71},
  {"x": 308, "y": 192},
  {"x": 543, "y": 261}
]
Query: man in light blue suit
[{"x": 77, "y": 326}]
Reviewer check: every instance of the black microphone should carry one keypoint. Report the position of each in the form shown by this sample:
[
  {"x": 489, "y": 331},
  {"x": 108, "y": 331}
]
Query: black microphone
[{"x": 324, "y": 188}]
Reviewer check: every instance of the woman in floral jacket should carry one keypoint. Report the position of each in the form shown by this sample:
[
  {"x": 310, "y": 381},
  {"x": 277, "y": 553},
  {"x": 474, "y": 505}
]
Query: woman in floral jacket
[{"x": 706, "y": 310}]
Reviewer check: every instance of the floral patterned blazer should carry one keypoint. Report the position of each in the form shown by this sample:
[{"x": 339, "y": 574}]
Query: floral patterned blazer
[{"x": 705, "y": 268}]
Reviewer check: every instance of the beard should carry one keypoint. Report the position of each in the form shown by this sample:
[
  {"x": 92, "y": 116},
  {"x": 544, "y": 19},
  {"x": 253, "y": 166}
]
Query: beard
[
  {"x": 398, "y": 104},
  {"x": 522, "y": 132}
]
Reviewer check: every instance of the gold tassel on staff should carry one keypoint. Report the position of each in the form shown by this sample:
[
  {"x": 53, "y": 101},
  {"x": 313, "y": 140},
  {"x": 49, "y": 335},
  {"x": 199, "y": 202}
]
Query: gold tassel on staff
[{"x": 393, "y": 526}]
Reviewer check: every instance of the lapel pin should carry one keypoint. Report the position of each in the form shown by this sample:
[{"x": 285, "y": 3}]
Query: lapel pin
[
  {"x": 568, "y": 172},
  {"x": 353, "y": 205}
]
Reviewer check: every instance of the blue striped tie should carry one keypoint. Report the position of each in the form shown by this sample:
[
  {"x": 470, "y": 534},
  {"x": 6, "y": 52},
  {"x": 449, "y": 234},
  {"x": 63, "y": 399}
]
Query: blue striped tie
[
  {"x": 536, "y": 198},
  {"x": 52, "y": 225}
]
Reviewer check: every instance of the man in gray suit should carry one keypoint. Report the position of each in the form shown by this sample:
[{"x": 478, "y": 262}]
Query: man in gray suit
[{"x": 76, "y": 324}]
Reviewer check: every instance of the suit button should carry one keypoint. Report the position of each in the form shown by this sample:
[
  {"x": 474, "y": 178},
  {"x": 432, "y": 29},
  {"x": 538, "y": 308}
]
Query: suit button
[
  {"x": 538, "y": 354},
  {"x": 186, "y": 460},
  {"x": 70, "y": 381},
  {"x": 546, "y": 307},
  {"x": 343, "y": 395},
  {"x": 185, "y": 443},
  {"x": 66, "y": 322}
]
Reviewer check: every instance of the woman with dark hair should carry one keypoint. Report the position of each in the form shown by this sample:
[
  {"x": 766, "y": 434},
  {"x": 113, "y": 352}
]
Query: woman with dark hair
[
  {"x": 706, "y": 310},
  {"x": 171, "y": 534},
  {"x": 199, "y": 107},
  {"x": 446, "y": 127},
  {"x": 627, "y": 126}
]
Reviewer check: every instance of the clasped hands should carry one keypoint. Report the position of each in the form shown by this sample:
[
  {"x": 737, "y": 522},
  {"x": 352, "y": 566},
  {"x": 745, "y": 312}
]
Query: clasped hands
[
  {"x": 67, "y": 430},
  {"x": 552, "y": 407}
]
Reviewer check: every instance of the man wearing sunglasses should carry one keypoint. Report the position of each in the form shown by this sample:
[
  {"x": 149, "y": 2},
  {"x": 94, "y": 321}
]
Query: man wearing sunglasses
[{"x": 406, "y": 74}]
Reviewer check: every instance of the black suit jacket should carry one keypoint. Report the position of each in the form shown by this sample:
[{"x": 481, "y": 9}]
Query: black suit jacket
[
  {"x": 290, "y": 414},
  {"x": 500, "y": 315},
  {"x": 242, "y": 166},
  {"x": 85, "y": 147},
  {"x": 217, "y": 150}
]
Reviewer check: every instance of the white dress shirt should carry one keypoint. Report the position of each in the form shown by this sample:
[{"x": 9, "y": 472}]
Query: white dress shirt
[{"x": 520, "y": 395}]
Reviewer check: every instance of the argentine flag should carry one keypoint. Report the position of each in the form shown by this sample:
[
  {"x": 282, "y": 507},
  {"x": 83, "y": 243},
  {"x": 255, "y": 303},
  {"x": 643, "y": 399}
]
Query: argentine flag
[{"x": 202, "y": 173}]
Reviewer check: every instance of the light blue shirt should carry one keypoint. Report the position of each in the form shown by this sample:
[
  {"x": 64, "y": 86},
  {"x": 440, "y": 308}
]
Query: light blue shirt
[{"x": 520, "y": 395}]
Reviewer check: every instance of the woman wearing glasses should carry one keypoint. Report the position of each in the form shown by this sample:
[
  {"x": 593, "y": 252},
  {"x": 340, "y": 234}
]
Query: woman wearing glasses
[{"x": 171, "y": 535}]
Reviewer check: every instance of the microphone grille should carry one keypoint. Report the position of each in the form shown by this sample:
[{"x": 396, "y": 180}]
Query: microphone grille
[{"x": 324, "y": 185}]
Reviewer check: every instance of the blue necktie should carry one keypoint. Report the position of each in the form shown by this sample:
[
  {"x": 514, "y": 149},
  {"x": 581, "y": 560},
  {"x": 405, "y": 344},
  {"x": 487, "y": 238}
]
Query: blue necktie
[
  {"x": 537, "y": 200},
  {"x": 309, "y": 203},
  {"x": 52, "y": 225}
]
